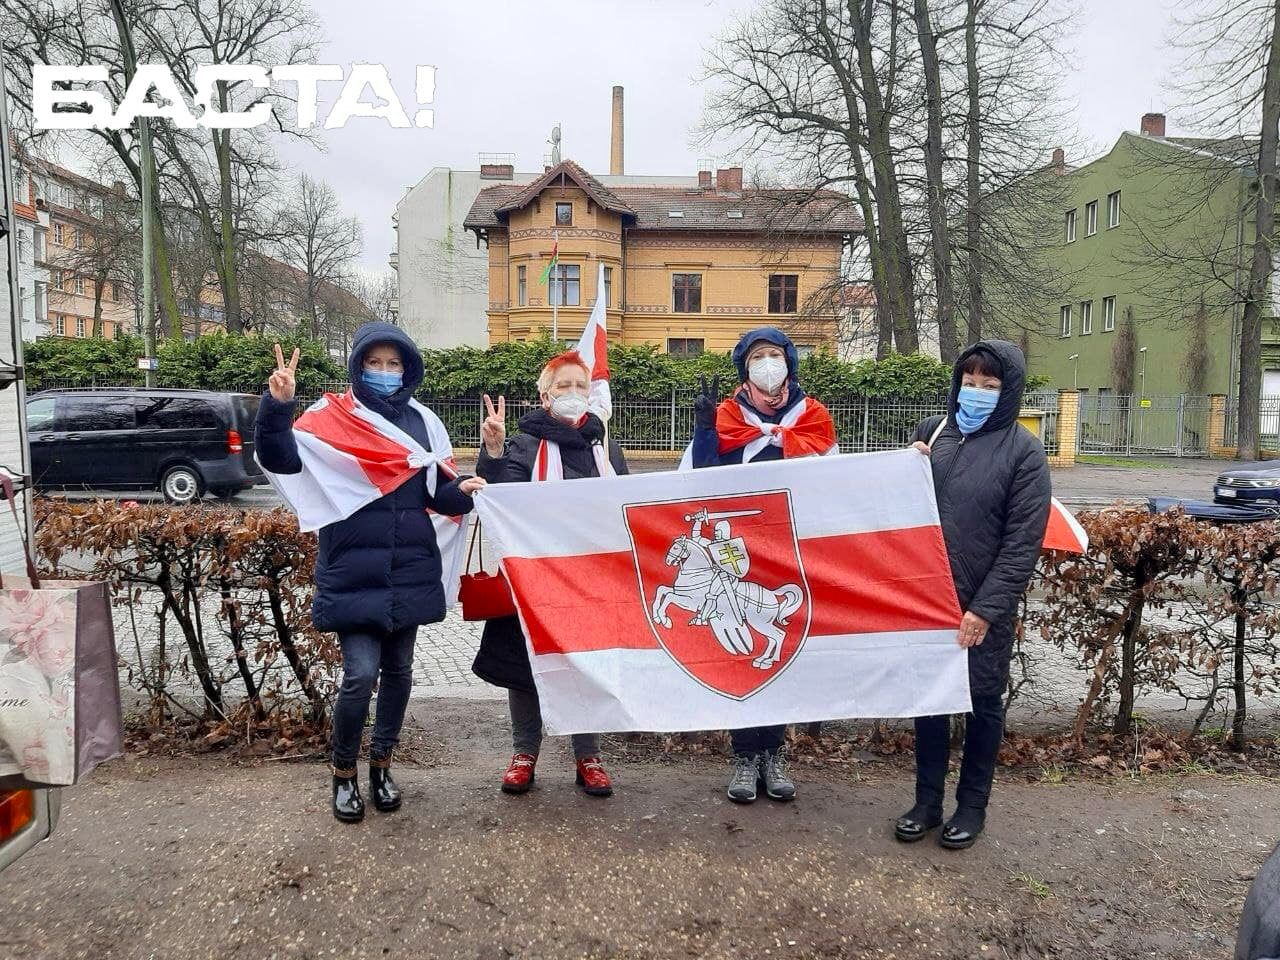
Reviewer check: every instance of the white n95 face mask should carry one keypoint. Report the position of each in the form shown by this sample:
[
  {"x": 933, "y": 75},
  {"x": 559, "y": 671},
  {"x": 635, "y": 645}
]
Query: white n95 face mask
[
  {"x": 569, "y": 407},
  {"x": 768, "y": 373}
]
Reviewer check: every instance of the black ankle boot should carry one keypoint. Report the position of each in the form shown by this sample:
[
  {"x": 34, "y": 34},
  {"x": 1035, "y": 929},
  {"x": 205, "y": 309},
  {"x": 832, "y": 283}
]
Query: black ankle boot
[
  {"x": 386, "y": 795},
  {"x": 961, "y": 831},
  {"x": 348, "y": 805},
  {"x": 916, "y": 822}
]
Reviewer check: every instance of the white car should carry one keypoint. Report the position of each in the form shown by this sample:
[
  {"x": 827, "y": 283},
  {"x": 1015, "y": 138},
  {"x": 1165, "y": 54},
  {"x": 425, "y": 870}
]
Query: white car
[{"x": 26, "y": 818}]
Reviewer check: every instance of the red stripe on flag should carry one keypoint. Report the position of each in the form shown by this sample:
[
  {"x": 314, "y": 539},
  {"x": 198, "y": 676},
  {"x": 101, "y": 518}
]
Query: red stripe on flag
[
  {"x": 858, "y": 583},
  {"x": 868, "y": 582},
  {"x": 581, "y": 603},
  {"x": 384, "y": 462},
  {"x": 600, "y": 369}
]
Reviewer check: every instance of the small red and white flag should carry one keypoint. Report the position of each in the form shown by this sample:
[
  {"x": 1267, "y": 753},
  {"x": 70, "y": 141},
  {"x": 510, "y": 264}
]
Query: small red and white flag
[
  {"x": 593, "y": 348},
  {"x": 806, "y": 430},
  {"x": 1063, "y": 531},
  {"x": 352, "y": 455},
  {"x": 717, "y": 599}
]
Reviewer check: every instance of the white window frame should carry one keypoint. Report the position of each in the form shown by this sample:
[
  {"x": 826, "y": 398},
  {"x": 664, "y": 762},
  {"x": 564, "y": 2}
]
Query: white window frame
[
  {"x": 80, "y": 287},
  {"x": 1108, "y": 314},
  {"x": 522, "y": 285},
  {"x": 1113, "y": 210},
  {"x": 1064, "y": 325},
  {"x": 1071, "y": 225},
  {"x": 1086, "y": 317},
  {"x": 1091, "y": 218},
  {"x": 60, "y": 325},
  {"x": 59, "y": 234},
  {"x": 608, "y": 288},
  {"x": 80, "y": 327}
]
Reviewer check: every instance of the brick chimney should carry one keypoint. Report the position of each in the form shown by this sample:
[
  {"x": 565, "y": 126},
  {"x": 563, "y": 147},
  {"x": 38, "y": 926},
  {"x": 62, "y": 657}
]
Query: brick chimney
[
  {"x": 729, "y": 180},
  {"x": 497, "y": 171},
  {"x": 704, "y": 179},
  {"x": 1059, "y": 162},
  {"x": 615, "y": 141},
  {"x": 1152, "y": 125}
]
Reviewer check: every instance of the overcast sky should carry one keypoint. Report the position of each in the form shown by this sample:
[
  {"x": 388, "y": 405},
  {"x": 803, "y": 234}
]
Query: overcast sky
[{"x": 509, "y": 69}]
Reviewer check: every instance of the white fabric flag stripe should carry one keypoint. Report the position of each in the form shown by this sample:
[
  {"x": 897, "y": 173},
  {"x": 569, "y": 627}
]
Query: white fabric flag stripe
[
  {"x": 780, "y": 592},
  {"x": 880, "y": 503}
]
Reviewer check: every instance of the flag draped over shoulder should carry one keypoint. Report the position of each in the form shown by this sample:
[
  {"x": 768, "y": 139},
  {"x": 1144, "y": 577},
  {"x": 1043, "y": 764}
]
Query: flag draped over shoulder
[
  {"x": 352, "y": 455},
  {"x": 594, "y": 350},
  {"x": 734, "y": 598}
]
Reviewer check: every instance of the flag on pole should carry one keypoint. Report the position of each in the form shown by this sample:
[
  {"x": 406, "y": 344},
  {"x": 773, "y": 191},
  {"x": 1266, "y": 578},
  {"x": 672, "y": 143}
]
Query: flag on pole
[
  {"x": 1063, "y": 530},
  {"x": 594, "y": 350},
  {"x": 734, "y": 598},
  {"x": 554, "y": 261}
]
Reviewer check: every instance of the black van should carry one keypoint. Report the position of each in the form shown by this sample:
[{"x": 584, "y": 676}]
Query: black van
[{"x": 182, "y": 442}]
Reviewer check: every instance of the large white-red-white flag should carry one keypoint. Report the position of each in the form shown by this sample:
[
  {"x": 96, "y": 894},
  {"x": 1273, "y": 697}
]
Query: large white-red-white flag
[{"x": 774, "y": 592}]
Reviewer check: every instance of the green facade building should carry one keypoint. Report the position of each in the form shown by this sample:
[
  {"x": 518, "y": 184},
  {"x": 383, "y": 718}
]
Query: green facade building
[{"x": 1154, "y": 242}]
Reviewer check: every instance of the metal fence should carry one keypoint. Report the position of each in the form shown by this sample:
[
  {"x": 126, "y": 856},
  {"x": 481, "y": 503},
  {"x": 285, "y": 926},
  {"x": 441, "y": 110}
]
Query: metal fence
[
  {"x": 665, "y": 423},
  {"x": 1128, "y": 425}
]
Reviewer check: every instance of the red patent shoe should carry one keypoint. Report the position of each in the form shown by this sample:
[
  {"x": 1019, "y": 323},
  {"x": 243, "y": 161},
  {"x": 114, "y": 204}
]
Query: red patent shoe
[
  {"x": 519, "y": 775},
  {"x": 592, "y": 778}
]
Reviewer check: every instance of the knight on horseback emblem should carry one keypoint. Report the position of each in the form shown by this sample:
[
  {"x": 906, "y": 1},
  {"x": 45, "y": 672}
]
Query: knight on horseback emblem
[{"x": 711, "y": 581}]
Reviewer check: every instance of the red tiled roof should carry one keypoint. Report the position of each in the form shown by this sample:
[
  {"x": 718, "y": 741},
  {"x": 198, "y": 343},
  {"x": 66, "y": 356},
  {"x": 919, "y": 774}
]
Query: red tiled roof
[
  {"x": 651, "y": 207},
  {"x": 858, "y": 295},
  {"x": 596, "y": 190}
]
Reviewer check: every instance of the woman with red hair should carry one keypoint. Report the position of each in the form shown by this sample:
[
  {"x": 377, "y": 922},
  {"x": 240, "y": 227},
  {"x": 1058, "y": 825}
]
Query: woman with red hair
[{"x": 560, "y": 440}]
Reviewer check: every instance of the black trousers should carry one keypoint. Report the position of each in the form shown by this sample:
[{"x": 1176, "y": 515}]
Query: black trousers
[
  {"x": 758, "y": 739},
  {"x": 983, "y": 732}
]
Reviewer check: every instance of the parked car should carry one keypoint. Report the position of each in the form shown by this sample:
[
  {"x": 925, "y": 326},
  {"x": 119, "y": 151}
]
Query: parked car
[
  {"x": 1249, "y": 483},
  {"x": 184, "y": 443},
  {"x": 26, "y": 818}
]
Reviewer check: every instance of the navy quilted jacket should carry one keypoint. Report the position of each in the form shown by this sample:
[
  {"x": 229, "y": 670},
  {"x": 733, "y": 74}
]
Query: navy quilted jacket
[{"x": 380, "y": 568}]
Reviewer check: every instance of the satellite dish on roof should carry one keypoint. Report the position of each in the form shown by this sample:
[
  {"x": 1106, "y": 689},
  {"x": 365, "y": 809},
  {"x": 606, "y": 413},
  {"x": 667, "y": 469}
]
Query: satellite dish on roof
[{"x": 555, "y": 145}]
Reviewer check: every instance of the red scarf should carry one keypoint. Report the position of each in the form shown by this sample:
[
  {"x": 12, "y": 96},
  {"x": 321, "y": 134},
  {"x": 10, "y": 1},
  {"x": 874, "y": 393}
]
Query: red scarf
[{"x": 807, "y": 430}]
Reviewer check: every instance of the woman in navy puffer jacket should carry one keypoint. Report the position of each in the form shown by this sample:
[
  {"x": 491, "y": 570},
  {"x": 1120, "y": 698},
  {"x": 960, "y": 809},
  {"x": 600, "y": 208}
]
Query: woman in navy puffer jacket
[{"x": 378, "y": 571}]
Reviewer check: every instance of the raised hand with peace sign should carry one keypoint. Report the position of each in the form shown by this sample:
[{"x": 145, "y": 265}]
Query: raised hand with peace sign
[
  {"x": 704, "y": 406},
  {"x": 493, "y": 430},
  {"x": 282, "y": 383}
]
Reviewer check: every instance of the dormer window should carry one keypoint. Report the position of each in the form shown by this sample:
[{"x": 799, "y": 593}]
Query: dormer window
[{"x": 564, "y": 214}]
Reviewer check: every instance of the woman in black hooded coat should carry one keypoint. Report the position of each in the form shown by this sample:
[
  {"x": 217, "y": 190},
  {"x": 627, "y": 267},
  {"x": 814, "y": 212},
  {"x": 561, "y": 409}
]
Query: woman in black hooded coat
[{"x": 991, "y": 478}]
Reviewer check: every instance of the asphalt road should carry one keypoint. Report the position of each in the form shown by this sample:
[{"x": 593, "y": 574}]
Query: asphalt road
[{"x": 1081, "y": 486}]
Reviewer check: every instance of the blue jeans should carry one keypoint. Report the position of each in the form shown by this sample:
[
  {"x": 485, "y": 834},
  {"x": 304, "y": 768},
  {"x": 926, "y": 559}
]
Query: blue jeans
[{"x": 365, "y": 657}]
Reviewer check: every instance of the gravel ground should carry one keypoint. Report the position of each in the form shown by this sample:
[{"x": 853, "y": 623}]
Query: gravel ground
[{"x": 208, "y": 858}]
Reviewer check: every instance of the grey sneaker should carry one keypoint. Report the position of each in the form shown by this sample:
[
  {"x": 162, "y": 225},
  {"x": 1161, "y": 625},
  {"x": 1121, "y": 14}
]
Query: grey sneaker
[
  {"x": 746, "y": 771},
  {"x": 773, "y": 771}
]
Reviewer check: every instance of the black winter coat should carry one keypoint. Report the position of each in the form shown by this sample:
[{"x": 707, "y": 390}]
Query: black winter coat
[
  {"x": 379, "y": 569},
  {"x": 993, "y": 493},
  {"x": 503, "y": 658}
]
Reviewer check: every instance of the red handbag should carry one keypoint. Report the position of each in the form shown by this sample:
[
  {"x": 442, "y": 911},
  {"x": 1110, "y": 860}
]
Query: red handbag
[{"x": 484, "y": 596}]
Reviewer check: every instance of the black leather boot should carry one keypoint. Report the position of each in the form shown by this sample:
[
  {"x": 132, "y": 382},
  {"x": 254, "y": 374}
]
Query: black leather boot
[
  {"x": 961, "y": 831},
  {"x": 916, "y": 822},
  {"x": 348, "y": 805},
  {"x": 386, "y": 794}
]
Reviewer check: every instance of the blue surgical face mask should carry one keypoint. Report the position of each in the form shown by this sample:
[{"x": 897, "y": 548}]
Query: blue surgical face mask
[
  {"x": 974, "y": 406},
  {"x": 382, "y": 382}
]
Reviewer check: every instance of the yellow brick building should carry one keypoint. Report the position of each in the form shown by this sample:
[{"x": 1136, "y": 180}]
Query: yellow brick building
[{"x": 688, "y": 268}]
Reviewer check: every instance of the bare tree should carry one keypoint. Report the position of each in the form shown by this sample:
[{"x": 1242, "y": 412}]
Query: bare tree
[
  {"x": 318, "y": 241},
  {"x": 212, "y": 169},
  {"x": 1232, "y": 70}
]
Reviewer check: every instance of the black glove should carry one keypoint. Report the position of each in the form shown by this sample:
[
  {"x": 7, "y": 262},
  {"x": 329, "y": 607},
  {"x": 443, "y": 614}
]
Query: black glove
[{"x": 704, "y": 406}]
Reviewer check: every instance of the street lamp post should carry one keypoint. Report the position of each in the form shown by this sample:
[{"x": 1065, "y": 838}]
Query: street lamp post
[
  {"x": 1075, "y": 367},
  {"x": 1142, "y": 392}
]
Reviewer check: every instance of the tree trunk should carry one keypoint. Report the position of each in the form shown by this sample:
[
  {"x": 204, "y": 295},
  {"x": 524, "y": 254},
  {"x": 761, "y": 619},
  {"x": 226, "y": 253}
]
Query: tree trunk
[
  {"x": 973, "y": 189},
  {"x": 199, "y": 657},
  {"x": 1237, "y": 673},
  {"x": 893, "y": 234},
  {"x": 1128, "y": 661},
  {"x": 228, "y": 273},
  {"x": 1249, "y": 399},
  {"x": 936, "y": 188},
  {"x": 97, "y": 307}
]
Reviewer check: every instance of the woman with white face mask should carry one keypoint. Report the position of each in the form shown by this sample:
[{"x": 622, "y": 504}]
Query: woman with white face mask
[
  {"x": 768, "y": 418},
  {"x": 560, "y": 440}
]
